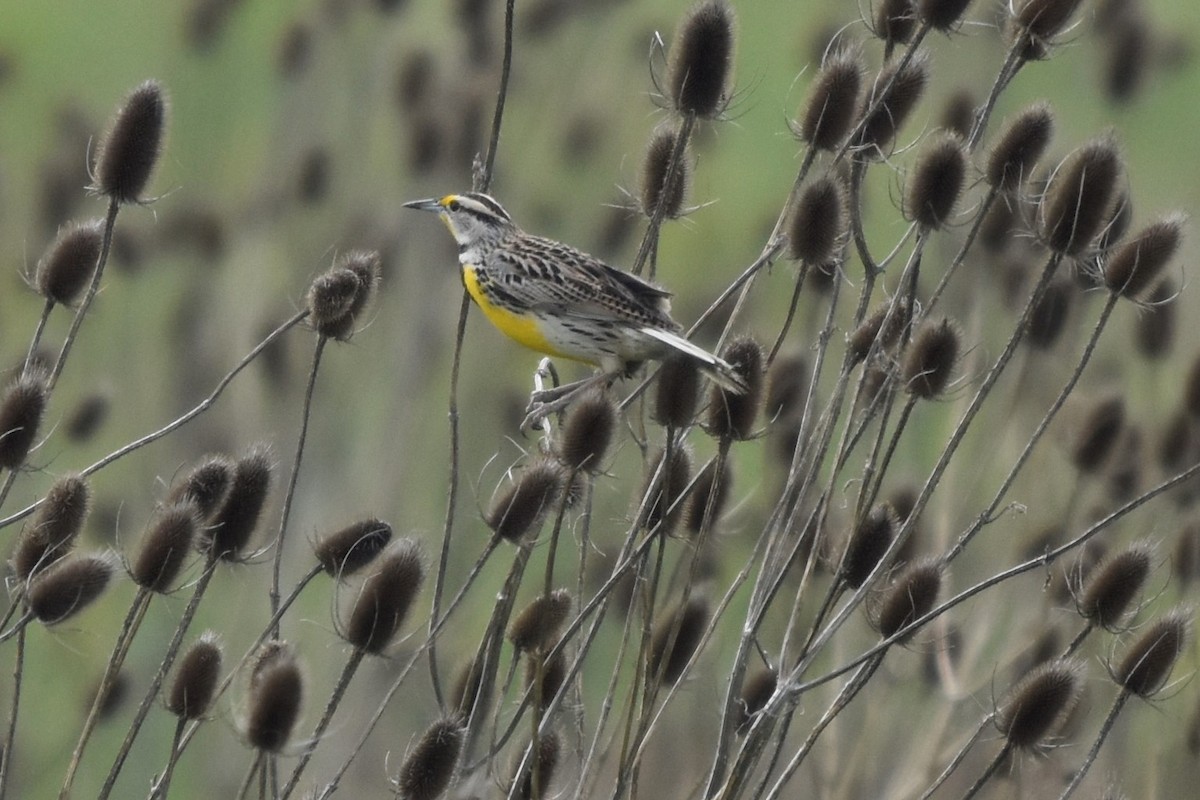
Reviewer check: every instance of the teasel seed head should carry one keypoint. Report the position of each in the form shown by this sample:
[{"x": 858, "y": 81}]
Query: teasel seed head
[
  {"x": 757, "y": 689},
  {"x": 697, "y": 501},
  {"x": 787, "y": 386},
  {"x": 337, "y": 299},
  {"x": 678, "y": 392},
  {"x": 1078, "y": 199},
  {"x": 1035, "y": 24},
  {"x": 64, "y": 271},
  {"x": 732, "y": 415},
  {"x": 691, "y": 620},
  {"x": 930, "y": 359},
  {"x": 819, "y": 222},
  {"x": 895, "y": 21},
  {"x": 867, "y": 544},
  {"x": 655, "y": 166},
  {"x": 1039, "y": 702},
  {"x": 542, "y": 767},
  {"x": 69, "y": 586},
  {"x": 937, "y": 181},
  {"x": 587, "y": 432},
  {"x": 941, "y": 15},
  {"x": 1148, "y": 662},
  {"x": 664, "y": 507},
  {"x": 701, "y": 60},
  {"x": 276, "y": 693},
  {"x": 872, "y": 328},
  {"x": 429, "y": 766},
  {"x": 1137, "y": 262},
  {"x": 383, "y": 601},
  {"x": 87, "y": 417},
  {"x": 1019, "y": 147},
  {"x": 21, "y": 408},
  {"x": 520, "y": 509},
  {"x": 1129, "y": 50},
  {"x": 55, "y": 526},
  {"x": 880, "y": 126},
  {"x": 196, "y": 678},
  {"x": 910, "y": 597},
  {"x": 1154, "y": 334},
  {"x": 235, "y": 521},
  {"x": 166, "y": 543},
  {"x": 958, "y": 114},
  {"x": 832, "y": 102},
  {"x": 554, "y": 673},
  {"x": 129, "y": 152},
  {"x": 538, "y": 625},
  {"x": 1113, "y": 586},
  {"x": 465, "y": 689},
  {"x": 349, "y": 549},
  {"x": 1049, "y": 316},
  {"x": 1098, "y": 434},
  {"x": 205, "y": 486}
]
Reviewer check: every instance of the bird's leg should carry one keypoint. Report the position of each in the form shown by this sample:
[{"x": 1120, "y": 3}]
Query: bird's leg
[{"x": 545, "y": 402}]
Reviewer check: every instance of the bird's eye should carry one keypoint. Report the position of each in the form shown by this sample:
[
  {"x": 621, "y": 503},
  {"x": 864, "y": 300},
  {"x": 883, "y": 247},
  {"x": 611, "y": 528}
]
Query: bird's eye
[{"x": 454, "y": 205}]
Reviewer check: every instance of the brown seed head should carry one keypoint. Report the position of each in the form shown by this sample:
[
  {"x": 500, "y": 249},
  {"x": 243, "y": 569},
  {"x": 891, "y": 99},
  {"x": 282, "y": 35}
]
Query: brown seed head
[
  {"x": 1137, "y": 263},
  {"x": 819, "y": 222},
  {"x": 1019, "y": 147},
  {"x": 429, "y": 766},
  {"x": 205, "y": 487},
  {"x": 1129, "y": 50},
  {"x": 958, "y": 115},
  {"x": 787, "y": 386},
  {"x": 1049, "y": 316},
  {"x": 832, "y": 102},
  {"x": 930, "y": 359},
  {"x": 1154, "y": 335},
  {"x": 1148, "y": 662},
  {"x": 196, "y": 678},
  {"x": 678, "y": 392},
  {"x": 907, "y": 84},
  {"x": 895, "y": 21},
  {"x": 910, "y": 597},
  {"x": 276, "y": 692},
  {"x": 542, "y": 767},
  {"x": 52, "y": 532},
  {"x": 937, "y": 181},
  {"x": 731, "y": 415},
  {"x": 1078, "y": 199},
  {"x": 66, "y": 267},
  {"x": 87, "y": 417},
  {"x": 129, "y": 152},
  {"x": 664, "y": 506},
  {"x": 520, "y": 508},
  {"x": 382, "y": 603},
  {"x": 337, "y": 298},
  {"x": 691, "y": 620},
  {"x": 21, "y": 407},
  {"x": 872, "y": 328},
  {"x": 1098, "y": 434},
  {"x": 696, "y": 502},
  {"x": 1035, "y": 24},
  {"x": 166, "y": 543},
  {"x": 1039, "y": 703},
  {"x": 587, "y": 432},
  {"x": 655, "y": 166},
  {"x": 235, "y": 521},
  {"x": 1114, "y": 585},
  {"x": 756, "y": 691},
  {"x": 349, "y": 549},
  {"x": 538, "y": 625},
  {"x": 59, "y": 592},
  {"x": 941, "y": 15},
  {"x": 867, "y": 544},
  {"x": 553, "y": 675},
  {"x": 701, "y": 60}
]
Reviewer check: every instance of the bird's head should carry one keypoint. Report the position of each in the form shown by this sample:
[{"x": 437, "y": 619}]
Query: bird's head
[{"x": 472, "y": 218}]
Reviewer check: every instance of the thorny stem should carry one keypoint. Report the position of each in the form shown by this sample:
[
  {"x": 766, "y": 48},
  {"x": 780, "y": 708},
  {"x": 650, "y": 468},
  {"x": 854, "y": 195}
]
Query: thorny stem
[
  {"x": 11, "y": 735},
  {"x": 37, "y": 335},
  {"x": 163, "y": 785},
  {"x": 989, "y": 771},
  {"x": 1105, "y": 729},
  {"x": 959, "y": 756}
]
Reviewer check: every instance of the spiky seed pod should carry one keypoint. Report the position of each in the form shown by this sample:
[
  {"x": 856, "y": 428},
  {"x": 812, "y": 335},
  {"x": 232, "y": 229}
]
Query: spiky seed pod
[
  {"x": 1147, "y": 663},
  {"x": 880, "y": 126},
  {"x": 787, "y": 386},
  {"x": 520, "y": 508},
  {"x": 21, "y": 409},
  {"x": 554, "y": 674},
  {"x": 701, "y": 60},
  {"x": 541, "y": 768},
  {"x": 697, "y": 501},
  {"x": 382, "y": 603},
  {"x": 1019, "y": 147},
  {"x": 1115, "y": 584},
  {"x": 937, "y": 181},
  {"x": 349, "y": 549},
  {"x": 68, "y": 587},
  {"x": 818, "y": 223},
  {"x": 126, "y": 158},
  {"x": 1078, "y": 199},
  {"x": 1137, "y": 263},
  {"x": 941, "y": 15},
  {"x": 958, "y": 115},
  {"x": 732, "y": 415},
  {"x": 895, "y": 21},
  {"x": 678, "y": 392},
  {"x": 268, "y": 653},
  {"x": 832, "y": 101},
  {"x": 1098, "y": 434},
  {"x": 1185, "y": 556},
  {"x": 1130, "y": 52},
  {"x": 87, "y": 417},
  {"x": 930, "y": 359},
  {"x": 235, "y": 521},
  {"x": 276, "y": 692},
  {"x": 910, "y": 597},
  {"x": 165, "y": 545},
  {"x": 867, "y": 543},
  {"x": 64, "y": 270},
  {"x": 113, "y": 699},
  {"x": 756, "y": 691},
  {"x": 664, "y": 507},
  {"x": 1048, "y": 318},
  {"x": 52, "y": 532},
  {"x": 996, "y": 230},
  {"x": 465, "y": 689},
  {"x": 1035, "y": 24},
  {"x": 196, "y": 678},
  {"x": 205, "y": 487},
  {"x": 337, "y": 298},
  {"x": 1119, "y": 222},
  {"x": 691, "y": 620},
  {"x": 1039, "y": 702},
  {"x": 430, "y": 765},
  {"x": 859, "y": 343},
  {"x": 1154, "y": 334},
  {"x": 587, "y": 432},
  {"x": 654, "y": 173},
  {"x": 538, "y": 624}
]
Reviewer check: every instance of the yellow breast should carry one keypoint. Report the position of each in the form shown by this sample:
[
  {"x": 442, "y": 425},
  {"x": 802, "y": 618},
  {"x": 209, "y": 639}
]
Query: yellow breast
[{"x": 522, "y": 328}]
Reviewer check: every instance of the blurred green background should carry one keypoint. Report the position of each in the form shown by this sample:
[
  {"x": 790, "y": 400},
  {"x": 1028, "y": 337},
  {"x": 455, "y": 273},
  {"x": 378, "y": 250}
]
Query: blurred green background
[{"x": 296, "y": 131}]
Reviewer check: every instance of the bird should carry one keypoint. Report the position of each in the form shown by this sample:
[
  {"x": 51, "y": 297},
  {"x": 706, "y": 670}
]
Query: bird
[{"x": 557, "y": 300}]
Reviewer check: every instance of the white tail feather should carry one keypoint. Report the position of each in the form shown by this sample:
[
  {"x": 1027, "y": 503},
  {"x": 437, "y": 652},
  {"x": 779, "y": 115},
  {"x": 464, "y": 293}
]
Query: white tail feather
[{"x": 714, "y": 367}]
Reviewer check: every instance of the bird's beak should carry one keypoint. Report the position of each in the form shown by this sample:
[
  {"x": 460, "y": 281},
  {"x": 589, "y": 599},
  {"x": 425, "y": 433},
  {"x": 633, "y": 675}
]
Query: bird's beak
[{"x": 431, "y": 204}]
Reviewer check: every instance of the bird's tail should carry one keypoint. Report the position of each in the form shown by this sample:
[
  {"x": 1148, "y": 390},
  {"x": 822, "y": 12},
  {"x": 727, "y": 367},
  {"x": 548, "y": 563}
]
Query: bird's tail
[{"x": 716, "y": 368}]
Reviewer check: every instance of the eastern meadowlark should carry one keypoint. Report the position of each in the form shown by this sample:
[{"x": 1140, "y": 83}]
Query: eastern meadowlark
[{"x": 560, "y": 301}]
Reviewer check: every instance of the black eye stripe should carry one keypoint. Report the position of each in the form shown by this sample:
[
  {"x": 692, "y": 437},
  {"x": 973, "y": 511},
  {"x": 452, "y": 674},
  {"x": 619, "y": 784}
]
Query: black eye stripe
[{"x": 490, "y": 204}]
